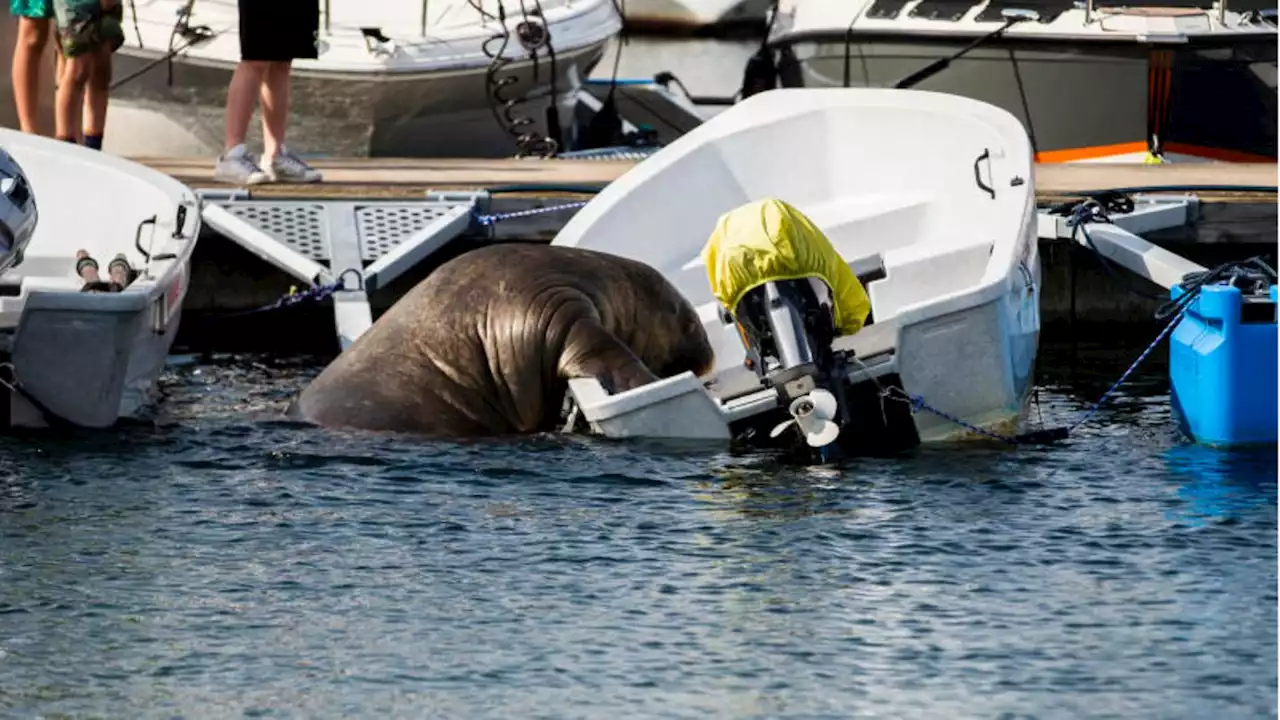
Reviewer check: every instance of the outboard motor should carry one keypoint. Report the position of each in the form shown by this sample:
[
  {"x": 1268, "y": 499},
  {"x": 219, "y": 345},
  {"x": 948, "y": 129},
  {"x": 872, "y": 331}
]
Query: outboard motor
[
  {"x": 791, "y": 294},
  {"x": 18, "y": 215},
  {"x": 788, "y": 327}
]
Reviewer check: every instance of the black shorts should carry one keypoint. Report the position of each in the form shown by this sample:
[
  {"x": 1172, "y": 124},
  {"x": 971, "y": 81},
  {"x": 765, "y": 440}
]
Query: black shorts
[{"x": 278, "y": 30}]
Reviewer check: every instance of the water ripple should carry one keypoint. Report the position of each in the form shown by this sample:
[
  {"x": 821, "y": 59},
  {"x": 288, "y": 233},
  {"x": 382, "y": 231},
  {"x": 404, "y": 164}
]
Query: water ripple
[{"x": 220, "y": 562}]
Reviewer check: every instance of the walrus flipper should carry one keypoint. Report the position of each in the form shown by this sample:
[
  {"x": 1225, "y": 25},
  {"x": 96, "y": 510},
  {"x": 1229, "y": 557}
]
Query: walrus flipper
[{"x": 592, "y": 351}]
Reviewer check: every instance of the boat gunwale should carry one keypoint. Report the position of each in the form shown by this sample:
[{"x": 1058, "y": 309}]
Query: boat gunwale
[
  {"x": 379, "y": 74},
  {"x": 143, "y": 291},
  {"x": 931, "y": 36}
]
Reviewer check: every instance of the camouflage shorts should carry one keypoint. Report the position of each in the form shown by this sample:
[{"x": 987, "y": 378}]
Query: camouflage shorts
[
  {"x": 83, "y": 26},
  {"x": 34, "y": 9}
]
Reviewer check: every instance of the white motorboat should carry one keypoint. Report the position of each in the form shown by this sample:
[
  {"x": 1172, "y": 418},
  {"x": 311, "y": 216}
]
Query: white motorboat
[
  {"x": 393, "y": 77},
  {"x": 928, "y": 197},
  {"x": 77, "y": 357},
  {"x": 1100, "y": 80},
  {"x": 676, "y": 16}
]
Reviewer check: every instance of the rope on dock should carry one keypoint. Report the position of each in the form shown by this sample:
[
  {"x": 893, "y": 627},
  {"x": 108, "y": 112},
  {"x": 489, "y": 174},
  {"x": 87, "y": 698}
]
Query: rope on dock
[
  {"x": 489, "y": 220},
  {"x": 619, "y": 152},
  {"x": 314, "y": 293}
]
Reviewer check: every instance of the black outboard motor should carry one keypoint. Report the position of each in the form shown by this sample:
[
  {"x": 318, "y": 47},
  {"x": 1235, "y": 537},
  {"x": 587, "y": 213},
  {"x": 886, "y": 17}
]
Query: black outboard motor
[
  {"x": 788, "y": 327},
  {"x": 18, "y": 213}
]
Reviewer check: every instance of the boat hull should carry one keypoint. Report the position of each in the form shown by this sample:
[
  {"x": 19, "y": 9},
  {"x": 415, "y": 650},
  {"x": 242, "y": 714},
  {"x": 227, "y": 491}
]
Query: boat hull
[
  {"x": 978, "y": 363},
  {"x": 1083, "y": 100},
  {"x": 675, "y": 16},
  {"x": 948, "y": 255},
  {"x": 81, "y": 358},
  {"x": 411, "y": 114},
  {"x": 113, "y": 375}
]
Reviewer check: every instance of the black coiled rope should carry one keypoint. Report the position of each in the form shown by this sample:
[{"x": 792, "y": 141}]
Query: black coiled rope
[
  {"x": 1252, "y": 276},
  {"x": 534, "y": 34}
]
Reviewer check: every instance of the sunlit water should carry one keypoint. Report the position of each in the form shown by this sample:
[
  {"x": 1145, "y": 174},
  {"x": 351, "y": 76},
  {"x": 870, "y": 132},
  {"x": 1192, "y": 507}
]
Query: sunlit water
[{"x": 219, "y": 563}]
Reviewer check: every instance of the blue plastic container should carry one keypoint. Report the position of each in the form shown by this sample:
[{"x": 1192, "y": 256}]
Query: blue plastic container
[{"x": 1222, "y": 367}]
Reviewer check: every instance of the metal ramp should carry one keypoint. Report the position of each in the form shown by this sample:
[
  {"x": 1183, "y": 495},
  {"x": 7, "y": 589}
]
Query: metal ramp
[{"x": 325, "y": 242}]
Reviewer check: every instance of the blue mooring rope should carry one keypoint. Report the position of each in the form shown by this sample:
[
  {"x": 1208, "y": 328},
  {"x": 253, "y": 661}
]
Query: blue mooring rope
[
  {"x": 488, "y": 220},
  {"x": 316, "y": 293},
  {"x": 918, "y": 403},
  {"x": 1092, "y": 211}
]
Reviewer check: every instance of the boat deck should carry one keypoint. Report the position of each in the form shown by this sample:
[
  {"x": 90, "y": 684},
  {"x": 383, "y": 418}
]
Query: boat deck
[{"x": 392, "y": 178}]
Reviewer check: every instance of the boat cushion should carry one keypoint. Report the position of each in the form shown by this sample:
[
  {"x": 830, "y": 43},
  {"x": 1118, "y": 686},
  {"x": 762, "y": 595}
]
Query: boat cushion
[{"x": 768, "y": 241}]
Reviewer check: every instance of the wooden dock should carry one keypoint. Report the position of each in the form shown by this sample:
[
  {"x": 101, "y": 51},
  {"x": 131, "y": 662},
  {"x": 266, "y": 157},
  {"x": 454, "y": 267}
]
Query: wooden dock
[{"x": 411, "y": 177}]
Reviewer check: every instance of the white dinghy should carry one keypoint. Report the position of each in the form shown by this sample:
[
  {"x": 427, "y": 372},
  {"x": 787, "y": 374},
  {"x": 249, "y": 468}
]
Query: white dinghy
[
  {"x": 79, "y": 357},
  {"x": 930, "y": 200}
]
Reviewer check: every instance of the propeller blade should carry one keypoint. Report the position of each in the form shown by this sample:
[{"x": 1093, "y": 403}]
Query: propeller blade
[{"x": 824, "y": 404}]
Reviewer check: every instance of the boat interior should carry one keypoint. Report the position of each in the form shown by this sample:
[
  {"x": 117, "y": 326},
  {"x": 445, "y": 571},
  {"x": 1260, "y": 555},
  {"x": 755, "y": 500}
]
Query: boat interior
[
  {"x": 102, "y": 206},
  {"x": 922, "y": 242}
]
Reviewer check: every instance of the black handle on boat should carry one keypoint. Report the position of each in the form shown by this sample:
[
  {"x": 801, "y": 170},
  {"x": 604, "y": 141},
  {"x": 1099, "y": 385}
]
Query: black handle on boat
[
  {"x": 137, "y": 238},
  {"x": 180, "y": 222},
  {"x": 977, "y": 175}
]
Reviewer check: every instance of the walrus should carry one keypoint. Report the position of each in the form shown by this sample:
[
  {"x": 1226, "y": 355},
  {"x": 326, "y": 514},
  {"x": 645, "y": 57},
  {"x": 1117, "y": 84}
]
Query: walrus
[{"x": 486, "y": 344}]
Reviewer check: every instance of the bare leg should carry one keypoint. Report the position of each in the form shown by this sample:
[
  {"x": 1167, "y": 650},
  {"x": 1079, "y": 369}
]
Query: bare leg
[
  {"x": 275, "y": 108},
  {"x": 70, "y": 103},
  {"x": 61, "y": 61},
  {"x": 97, "y": 92},
  {"x": 32, "y": 38},
  {"x": 280, "y": 164},
  {"x": 241, "y": 96}
]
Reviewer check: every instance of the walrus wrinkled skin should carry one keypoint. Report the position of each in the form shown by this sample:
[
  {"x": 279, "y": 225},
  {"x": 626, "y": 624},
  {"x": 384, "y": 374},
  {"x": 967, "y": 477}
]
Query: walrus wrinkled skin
[{"x": 485, "y": 344}]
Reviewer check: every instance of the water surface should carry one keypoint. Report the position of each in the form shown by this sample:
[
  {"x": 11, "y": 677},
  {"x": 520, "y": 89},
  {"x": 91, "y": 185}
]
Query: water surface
[{"x": 221, "y": 564}]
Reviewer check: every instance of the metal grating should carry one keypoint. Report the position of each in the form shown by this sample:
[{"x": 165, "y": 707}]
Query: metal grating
[
  {"x": 382, "y": 227},
  {"x": 298, "y": 225}
]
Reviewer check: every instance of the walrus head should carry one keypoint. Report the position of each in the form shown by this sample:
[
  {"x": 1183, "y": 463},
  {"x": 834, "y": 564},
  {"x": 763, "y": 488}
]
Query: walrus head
[
  {"x": 692, "y": 351},
  {"x": 666, "y": 334}
]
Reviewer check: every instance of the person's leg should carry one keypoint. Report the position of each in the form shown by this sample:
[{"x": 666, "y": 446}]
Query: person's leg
[
  {"x": 70, "y": 100},
  {"x": 108, "y": 37},
  {"x": 33, "y": 35},
  {"x": 87, "y": 31},
  {"x": 234, "y": 164},
  {"x": 60, "y": 59},
  {"x": 97, "y": 92},
  {"x": 296, "y": 24},
  {"x": 242, "y": 95},
  {"x": 275, "y": 108},
  {"x": 280, "y": 164}
]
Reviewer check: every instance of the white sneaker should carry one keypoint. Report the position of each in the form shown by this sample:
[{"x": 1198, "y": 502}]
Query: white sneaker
[
  {"x": 287, "y": 167},
  {"x": 237, "y": 168}
]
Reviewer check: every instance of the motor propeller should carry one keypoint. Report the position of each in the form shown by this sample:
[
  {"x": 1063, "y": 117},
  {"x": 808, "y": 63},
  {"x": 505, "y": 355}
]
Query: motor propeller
[{"x": 813, "y": 414}]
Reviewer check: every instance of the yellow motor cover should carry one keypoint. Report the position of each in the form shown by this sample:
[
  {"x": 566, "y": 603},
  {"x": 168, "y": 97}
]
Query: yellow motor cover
[{"x": 769, "y": 240}]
